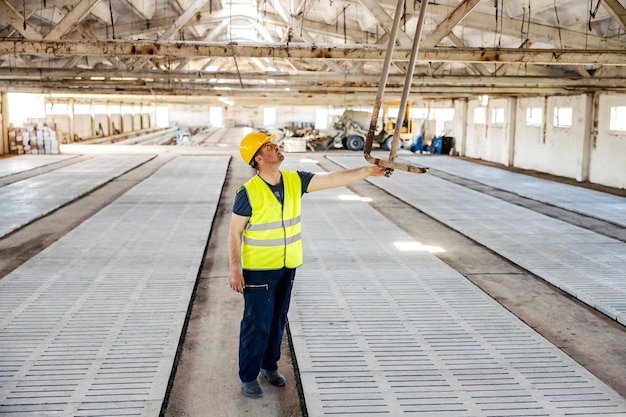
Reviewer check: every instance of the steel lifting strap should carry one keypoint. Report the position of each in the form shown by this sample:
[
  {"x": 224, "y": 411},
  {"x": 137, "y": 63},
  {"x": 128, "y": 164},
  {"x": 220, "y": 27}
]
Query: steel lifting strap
[{"x": 390, "y": 164}]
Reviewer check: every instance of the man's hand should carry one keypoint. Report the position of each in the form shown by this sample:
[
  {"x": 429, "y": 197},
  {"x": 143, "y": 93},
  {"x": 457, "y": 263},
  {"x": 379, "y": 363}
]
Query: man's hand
[
  {"x": 236, "y": 281},
  {"x": 378, "y": 171}
]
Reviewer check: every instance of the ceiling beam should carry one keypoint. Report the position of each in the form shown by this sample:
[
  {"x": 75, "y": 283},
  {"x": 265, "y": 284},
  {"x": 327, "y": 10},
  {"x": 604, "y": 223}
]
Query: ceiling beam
[
  {"x": 183, "y": 19},
  {"x": 480, "y": 68},
  {"x": 385, "y": 21},
  {"x": 178, "y": 24},
  {"x": 295, "y": 24},
  {"x": 233, "y": 89},
  {"x": 296, "y": 78},
  {"x": 538, "y": 32},
  {"x": 71, "y": 20},
  {"x": 308, "y": 51},
  {"x": 445, "y": 27},
  {"x": 502, "y": 69},
  {"x": 142, "y": 9},
  {"x": 616, "y": 10},
  {"x": 18, "y": 21}
]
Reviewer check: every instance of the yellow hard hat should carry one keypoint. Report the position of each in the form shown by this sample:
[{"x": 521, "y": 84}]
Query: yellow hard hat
[{"x": 251, "y": 143}]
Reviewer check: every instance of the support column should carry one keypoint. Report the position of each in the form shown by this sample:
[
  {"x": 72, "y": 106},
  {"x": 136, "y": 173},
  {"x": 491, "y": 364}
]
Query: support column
[
  {"x": 92, "y": 117},
  {"x": 511, "y": 131},
  {"x": 70, "y": 115},
  {"x": 109, "y": 121},
  {"x": 592, "y": 101},
  {"x": 121, "y": 117},
  {"x": 4, "y": 123},
  {"x": 462, "y": 125},
  {"x": 141, "y": 110}
]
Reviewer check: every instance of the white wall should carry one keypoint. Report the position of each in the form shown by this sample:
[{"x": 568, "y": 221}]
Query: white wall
[
  {"x": 63, "y": 127},
  {"x": 608, "y": 151},
  {"x": 459, "y": 125},
  {"x": 497, "y": 146},
  {"x": 562, "y": 151},
  {"x": 127, "y": 123},
  {"x": 476, "y": 140},
  {"x": 189, "y": 115},
  {"x": 564, "y": 145},
  {"x": 547, "y": 148},
  {"x": 82, "y": 125},
  {"x": 286, "y": 115},
  {"x": 530, "y": 151}
]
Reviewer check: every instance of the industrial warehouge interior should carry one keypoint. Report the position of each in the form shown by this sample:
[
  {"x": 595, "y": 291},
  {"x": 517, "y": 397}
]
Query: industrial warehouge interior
[{"x": 491, "y": 285}]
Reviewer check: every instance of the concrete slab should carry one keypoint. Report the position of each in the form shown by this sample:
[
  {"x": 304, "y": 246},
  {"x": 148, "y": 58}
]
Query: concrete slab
[
  {"x": 585, "y": 264},
  {"x": 20, "y": 163},
  {"x": 593, "y": 203},
  {"x": 377, "y": 330},
  {"x": 96, "y": 318},
  {"x": 25, "y": 201}
]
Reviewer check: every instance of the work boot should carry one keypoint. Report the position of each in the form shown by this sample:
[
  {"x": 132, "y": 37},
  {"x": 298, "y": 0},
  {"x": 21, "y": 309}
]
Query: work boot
[
  {"x": 252, "y": 389},
  {"x": 273, "y": 377}
]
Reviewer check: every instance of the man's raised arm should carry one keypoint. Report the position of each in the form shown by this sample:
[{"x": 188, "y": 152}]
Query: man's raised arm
[{"x": 344, "y": 177}]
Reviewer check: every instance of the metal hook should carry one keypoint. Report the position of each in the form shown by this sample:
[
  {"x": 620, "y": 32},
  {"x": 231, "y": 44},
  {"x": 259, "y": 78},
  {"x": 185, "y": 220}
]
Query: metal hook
[{"x": 390, "y": 164}]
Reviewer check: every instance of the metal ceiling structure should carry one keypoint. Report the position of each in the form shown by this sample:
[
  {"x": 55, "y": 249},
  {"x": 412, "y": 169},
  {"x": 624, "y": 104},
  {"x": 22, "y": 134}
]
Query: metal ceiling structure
[{"x": 324, "y": 51}]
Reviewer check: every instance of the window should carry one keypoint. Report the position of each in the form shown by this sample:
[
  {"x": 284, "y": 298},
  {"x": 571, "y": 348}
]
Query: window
[
  {"x": 114, "y": 108},
  {"x": 444, "y": 114},
  {"x": 162, "y": 116},
  {"x": 269, "y": 116},
  {"x": 23, "y": 106},
  {"x": 562, "y": 116},
  {"x": 419, "y": 113},
  {"x": 534, "y": 116},
  {"x": 497, "y": 116},
  {"x": 57, "y": 108},
  {"x": 480, "y": 115},
  {"x": 215, "y": 117},
  {"x": 618, "y": 118},
  {"x": 82, "y": 108},
  {"x": 321, "y": 118},
  {"x": 392, "y": 113}
]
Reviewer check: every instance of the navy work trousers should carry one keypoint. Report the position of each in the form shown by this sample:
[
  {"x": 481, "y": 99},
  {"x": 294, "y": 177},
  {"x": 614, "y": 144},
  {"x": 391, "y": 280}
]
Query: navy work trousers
[{"x": 266, "y": 297}]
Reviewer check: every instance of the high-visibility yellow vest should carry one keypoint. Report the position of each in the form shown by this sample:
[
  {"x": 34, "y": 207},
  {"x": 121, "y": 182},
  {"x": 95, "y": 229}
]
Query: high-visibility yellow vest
[{"x": 271, "y": 239}]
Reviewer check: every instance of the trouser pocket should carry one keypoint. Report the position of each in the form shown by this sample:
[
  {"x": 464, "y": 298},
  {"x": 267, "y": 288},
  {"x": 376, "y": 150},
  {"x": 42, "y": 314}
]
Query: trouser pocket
[{"x": 256, "y": 286}]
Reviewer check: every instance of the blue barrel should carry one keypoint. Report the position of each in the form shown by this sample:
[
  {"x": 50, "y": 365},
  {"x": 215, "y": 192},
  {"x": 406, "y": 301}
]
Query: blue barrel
[{"x": 437, "y": 144}]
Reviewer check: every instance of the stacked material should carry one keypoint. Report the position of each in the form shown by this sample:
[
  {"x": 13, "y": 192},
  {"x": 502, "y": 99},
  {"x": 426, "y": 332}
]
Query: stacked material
[{"x": 35, "y": 138}]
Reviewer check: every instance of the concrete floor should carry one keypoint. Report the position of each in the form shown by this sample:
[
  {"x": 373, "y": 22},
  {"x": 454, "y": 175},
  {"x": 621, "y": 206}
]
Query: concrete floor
[{"x": 205, "y": 382}]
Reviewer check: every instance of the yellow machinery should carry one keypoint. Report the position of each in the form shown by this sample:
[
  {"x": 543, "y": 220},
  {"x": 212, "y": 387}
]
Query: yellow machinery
[{"x": 406, "y": 130}]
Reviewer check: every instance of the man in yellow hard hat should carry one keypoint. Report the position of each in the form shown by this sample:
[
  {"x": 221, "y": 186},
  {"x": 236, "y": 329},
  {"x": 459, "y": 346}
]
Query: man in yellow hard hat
[{"x": 265, "y": 248}]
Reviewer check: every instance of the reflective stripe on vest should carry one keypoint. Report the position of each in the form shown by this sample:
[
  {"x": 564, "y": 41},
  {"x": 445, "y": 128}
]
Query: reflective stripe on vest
[{"x": 271, "y": 239}]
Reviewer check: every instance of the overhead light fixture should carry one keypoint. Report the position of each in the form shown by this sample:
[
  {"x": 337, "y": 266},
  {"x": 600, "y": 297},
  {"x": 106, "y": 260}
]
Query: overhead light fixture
[{"x": 226, "y": 101}]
